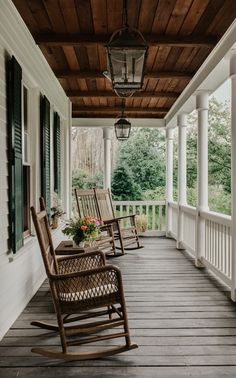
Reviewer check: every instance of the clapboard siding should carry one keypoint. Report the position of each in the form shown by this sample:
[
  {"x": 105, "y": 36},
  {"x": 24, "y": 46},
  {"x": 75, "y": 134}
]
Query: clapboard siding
[{"x": 21, "y": 276}]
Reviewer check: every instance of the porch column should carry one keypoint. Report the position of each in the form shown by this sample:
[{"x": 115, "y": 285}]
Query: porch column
[
  {"x": 169, "y": 179},
  {"x": 182, "y": 190},
  {"x": 107, "y": 133},
  {"x": 202, "y": 99},
  {"x": 233, "y": 171}
]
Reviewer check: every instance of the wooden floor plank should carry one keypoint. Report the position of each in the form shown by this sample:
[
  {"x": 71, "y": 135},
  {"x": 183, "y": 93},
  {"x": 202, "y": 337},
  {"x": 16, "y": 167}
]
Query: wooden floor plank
[{"x": 181, "y": 317}]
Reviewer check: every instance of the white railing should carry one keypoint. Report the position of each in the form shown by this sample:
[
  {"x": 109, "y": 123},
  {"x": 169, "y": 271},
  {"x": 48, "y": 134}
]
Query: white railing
[
  {"x": 174, "y": 218},
  {"x": 189, "y": 214},
  {"x": 218, "y": 251},
  {"x": 217, "y": 238},
  {"x": 152, "y": 211}
]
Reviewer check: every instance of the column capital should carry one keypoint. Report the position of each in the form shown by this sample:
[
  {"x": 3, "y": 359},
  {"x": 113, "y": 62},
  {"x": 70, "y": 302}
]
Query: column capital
[
  {"x": 170, "y": 134},
  {"x": 182, "y": 120},
  {"x": 202, "y": 100},
  {"x": 107, "y": 132}
]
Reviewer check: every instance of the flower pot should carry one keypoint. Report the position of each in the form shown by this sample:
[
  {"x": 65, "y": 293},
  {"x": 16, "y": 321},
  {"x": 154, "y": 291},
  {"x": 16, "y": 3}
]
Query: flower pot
[
  {"x": 80, "y": 245},
  {"x": 55, "y": 222}
]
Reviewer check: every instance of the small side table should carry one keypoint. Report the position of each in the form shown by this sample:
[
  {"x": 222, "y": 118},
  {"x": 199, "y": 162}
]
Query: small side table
[{"x": 66, "y": 248}]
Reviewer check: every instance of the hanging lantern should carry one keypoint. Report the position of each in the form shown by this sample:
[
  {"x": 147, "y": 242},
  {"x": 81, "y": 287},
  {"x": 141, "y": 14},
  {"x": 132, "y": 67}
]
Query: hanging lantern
[
  {"x": 126, "y": 54},
  {"x": 122, "y": 128}
]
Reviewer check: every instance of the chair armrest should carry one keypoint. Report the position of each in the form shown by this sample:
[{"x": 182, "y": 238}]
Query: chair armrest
[
  {"x": 105, "y": 226},
  {"x": 83, "y": 262},
  {"x": 132, "y": 216},
  {"x": 125, "y": 217}
]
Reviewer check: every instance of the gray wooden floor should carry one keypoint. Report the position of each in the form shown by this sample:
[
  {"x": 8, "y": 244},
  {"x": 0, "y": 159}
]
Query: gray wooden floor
[{"x": 182, "y": 320}]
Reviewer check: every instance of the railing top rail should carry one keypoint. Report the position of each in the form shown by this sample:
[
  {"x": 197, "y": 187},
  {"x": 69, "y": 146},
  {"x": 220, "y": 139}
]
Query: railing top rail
[
  {"x": 149, "y": 202},
  {"x": 188, "y": 209},
  {"x": 216, "y": 217},
  {"x": 173, "y": 204}
]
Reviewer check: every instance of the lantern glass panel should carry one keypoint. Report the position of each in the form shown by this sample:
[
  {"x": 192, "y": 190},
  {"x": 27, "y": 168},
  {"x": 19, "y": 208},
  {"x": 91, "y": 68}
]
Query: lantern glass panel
[{"x": 127, "y": 68}]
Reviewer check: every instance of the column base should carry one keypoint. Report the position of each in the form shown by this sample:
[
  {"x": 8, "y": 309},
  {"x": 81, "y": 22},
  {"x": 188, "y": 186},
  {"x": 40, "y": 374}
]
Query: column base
[
  {"x": 179, "y": 245},
  {"x": 169, "y": 235},
  {"x": 233, "y": 295},
  {"x": 199, "y": 264}
]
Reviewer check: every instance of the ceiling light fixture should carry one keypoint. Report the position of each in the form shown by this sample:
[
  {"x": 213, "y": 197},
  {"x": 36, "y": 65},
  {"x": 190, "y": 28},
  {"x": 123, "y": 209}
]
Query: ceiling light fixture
[
  {"x": 126, "y": 55},
  {"x": 122, "y": 126}
]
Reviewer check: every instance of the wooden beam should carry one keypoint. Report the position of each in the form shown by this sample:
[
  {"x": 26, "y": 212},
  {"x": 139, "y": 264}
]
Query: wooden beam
[
  {"x": 110, "y": 116},
  {"x": 112, "y": 94},
  {"x": 111, "y": 109},
  {"x": 154, "y": 40},
  {"x": 88, "y": 75}
]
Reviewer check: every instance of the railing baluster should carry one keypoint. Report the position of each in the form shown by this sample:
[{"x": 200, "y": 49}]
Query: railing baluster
[
  {"x": 160, "y": 218},
  {"x": 225, "y": 249},
  {"x": 222, "y": 248},
  {"x": 228, "y": 252},
  {"x": 153, "y": 217},
  {"x": 206, "y": 239},
  {"x": 147, "y": 216},
  {"x": 219, "y": 244}
]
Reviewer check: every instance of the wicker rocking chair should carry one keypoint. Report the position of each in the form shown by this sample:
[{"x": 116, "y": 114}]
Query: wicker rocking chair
[
  {"x": 87, "y": 206},
  {"x": 82, "y": 287},
  {"x": 126, "y": 233}
]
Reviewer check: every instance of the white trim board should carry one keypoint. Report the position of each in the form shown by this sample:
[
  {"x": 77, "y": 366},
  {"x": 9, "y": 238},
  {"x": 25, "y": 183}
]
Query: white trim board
[{"x": 109, "y": 122}]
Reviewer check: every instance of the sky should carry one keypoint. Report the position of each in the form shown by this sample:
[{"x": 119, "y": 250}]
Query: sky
[{"x": 223, "y": 92}]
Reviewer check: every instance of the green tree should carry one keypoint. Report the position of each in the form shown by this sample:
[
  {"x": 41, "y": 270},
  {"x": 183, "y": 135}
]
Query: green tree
[
  {"x": 123, "y": 186},
  {"x": 219, "y": 156},
  {"x": 144, "y": 156},
  {"x": 219, "y": 146},
  {"x": 84, "y": 180}
]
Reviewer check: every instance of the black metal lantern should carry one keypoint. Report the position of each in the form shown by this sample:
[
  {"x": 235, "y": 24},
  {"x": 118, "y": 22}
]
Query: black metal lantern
[
  {"x": 126, "y": 52},
  {"x": 122, "y": 128},
  {"x": 122, "y": 125}
]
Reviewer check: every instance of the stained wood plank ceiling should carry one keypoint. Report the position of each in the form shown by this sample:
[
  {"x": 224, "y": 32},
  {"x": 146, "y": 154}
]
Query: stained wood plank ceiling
[{"x": 72, "y": 35}]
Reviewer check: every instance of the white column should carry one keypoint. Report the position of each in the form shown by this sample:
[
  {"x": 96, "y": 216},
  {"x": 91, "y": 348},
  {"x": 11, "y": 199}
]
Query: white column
[
  {"x": 182, "y": 190},
  {"x": 169, "y": 179},
  {"x": 202, "y": 99},
  {"x": 107, "y": 133},
  {"x": 233, "y": 171}
]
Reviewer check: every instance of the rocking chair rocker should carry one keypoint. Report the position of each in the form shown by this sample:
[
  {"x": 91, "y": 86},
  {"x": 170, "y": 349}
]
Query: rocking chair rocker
[{"x": 82, "y": 287}]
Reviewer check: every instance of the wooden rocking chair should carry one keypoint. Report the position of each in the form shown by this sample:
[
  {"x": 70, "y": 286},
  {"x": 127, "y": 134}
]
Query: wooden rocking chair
[
  {"x": 82, "y": 287},
  {"x": 126, "y": 234},
  {"x": 87, "y": 206}
]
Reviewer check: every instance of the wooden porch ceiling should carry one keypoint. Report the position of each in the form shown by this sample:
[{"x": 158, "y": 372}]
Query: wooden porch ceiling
[{"x": 72, "y": 35}]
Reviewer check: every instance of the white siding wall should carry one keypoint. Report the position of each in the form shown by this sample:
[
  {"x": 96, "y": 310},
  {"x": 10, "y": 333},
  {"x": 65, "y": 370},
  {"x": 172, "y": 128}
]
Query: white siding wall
[{"x": 22, "y": 274}]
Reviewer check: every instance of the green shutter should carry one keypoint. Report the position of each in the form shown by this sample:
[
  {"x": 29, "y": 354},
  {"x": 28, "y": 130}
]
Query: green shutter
[
  {"x": 15, "y": 155},
  {"x": 57, "y": 154},
  {"x": 45, "y": 151}
]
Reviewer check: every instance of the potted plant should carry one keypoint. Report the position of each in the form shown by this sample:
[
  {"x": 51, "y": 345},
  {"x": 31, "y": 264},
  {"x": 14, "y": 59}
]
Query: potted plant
[
  {"x": 84, "y": 231},
  {"x": 57, "y": 212},
  {"x": 141, "y": 223}
]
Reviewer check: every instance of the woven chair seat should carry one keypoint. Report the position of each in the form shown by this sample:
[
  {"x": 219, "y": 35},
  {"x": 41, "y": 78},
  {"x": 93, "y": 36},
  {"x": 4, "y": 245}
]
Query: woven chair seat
[
  {"x": 89, "y": 293},
  {"x": 86, "y": 300}
]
